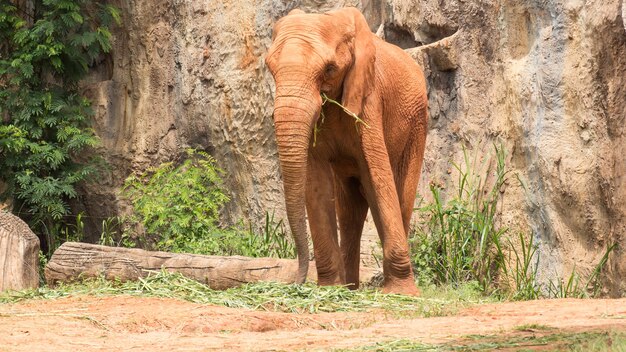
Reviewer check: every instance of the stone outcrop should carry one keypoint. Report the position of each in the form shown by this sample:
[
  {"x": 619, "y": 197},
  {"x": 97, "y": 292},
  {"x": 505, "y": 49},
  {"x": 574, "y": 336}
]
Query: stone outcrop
[
  {"x": 545, "y": 78},
  {"x": 19, "y": 254}
]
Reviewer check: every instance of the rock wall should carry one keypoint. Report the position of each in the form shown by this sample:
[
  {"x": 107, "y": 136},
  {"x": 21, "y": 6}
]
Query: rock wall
[{"x": 545, "y": 78}]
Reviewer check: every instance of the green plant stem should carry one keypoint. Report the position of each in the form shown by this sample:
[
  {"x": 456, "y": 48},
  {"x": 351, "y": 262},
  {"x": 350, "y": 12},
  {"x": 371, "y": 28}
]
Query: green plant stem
[{"x": 357, "y": 119}]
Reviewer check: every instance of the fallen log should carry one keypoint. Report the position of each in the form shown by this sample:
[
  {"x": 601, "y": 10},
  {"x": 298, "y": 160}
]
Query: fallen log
[{"x": 75, "y": 260}]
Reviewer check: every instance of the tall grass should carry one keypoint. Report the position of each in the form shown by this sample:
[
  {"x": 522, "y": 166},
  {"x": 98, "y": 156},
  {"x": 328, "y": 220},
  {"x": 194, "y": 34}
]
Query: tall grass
[
  {"x": 269, "y": 240},
  {"x": 459, "y": 240},
  {"x": 520, "y": 270},
  {"x": 573, "y": 286}
]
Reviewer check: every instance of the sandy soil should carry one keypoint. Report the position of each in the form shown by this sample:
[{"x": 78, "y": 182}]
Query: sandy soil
[{"x": 86, "y": 323}]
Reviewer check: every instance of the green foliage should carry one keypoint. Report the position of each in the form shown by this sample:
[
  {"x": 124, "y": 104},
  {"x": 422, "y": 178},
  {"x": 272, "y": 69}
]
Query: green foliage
[
  {"x": 179, "y": 207},
  {"x": 567, "y": 289},
  {"x": 61, "y": 231},
  {"x": 534, "y": 327},
  {"x": 269, "y": 241},
  {"x": 458, "y": 240},
  {"x": 114, "y": 235},
  {"x": 180, "y": 203},
  {"x": 594, "y": 284},
  {"x": 44, "y": 53},
  {"x": 43, "y": 261}
]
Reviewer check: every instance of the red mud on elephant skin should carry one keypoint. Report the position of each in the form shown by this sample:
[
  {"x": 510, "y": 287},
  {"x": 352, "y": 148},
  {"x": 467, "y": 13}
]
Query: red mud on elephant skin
[{"x": 350, "y": 115}]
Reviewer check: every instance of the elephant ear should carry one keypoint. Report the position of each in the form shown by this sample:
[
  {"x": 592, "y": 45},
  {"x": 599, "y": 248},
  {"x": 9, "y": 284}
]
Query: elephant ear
[{"x": 359, "y": 79}]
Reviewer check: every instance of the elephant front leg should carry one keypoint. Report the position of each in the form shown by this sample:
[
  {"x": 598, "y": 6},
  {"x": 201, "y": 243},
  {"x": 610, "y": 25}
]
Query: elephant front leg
[
  {"x": 382, "y": 196},
  {"x": 397, "y": 267},
  {"x": 320, "y": 205}
]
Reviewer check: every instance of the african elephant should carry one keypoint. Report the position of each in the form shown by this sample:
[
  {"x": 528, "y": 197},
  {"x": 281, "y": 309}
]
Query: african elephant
[{"x": 335, "y": 167}]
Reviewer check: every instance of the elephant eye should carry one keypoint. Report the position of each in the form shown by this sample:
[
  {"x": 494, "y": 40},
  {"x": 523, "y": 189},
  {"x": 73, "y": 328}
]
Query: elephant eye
[{"x": 329, "y": 69}]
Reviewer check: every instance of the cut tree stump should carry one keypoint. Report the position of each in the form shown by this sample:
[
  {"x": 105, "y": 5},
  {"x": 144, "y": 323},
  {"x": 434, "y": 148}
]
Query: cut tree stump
[
  {"x": 73, "y": 260},
  {"x": 19, "y": 254}
]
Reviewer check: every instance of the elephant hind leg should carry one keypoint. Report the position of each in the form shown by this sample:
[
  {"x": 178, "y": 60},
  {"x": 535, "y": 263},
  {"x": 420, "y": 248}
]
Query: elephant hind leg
[{"x": 351, "y": 210}]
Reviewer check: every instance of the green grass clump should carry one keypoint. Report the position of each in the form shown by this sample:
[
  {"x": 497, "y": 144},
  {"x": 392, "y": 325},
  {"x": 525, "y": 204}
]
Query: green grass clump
[
  {"x": 402, "y": 345},
  {"x": 574, "y": 288},
  {"x": 458, "y": 240},
  {"x": 267, "y": 296}
]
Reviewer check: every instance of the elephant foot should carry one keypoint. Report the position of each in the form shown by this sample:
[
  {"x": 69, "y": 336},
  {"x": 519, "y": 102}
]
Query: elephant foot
[
  {"x": 330, "y": 280},
  {"x": 352, "y": 285},
  {"x": 331, "y": 276},
  {"x": 330, "y": 283},
  {"x": 404, "y": 287}
]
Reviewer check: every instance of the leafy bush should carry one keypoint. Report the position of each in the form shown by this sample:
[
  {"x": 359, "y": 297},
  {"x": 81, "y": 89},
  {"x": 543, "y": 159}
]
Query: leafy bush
[
  {"x": 45, "y": 51},
  {"x": 180, "y": 204},
  {"x": 179, "y": 208}
]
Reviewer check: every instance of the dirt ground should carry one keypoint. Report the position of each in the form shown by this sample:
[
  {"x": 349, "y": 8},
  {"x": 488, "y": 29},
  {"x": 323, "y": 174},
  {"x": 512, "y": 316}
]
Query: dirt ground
[{"x": 87, "y": 323}]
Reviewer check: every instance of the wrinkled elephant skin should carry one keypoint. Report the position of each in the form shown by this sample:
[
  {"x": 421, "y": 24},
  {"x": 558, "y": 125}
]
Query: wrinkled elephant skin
[{"x": 335, "y": 167}]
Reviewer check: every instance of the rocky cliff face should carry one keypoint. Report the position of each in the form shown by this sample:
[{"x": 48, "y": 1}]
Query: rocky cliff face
[{"x": 545, "y": 78}]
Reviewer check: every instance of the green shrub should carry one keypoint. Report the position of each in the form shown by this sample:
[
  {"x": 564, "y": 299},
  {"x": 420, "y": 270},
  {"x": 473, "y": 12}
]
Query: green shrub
[
  {"x": 45, "y": 51},
  {"x": 179, "y": 208},
  {"x": 180, "y": 204}
]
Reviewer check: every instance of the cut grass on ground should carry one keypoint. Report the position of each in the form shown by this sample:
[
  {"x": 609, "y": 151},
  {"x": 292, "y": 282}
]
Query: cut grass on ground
[
  {"x": 579, "y": 342},
  {"x": 308, "y": 298}
]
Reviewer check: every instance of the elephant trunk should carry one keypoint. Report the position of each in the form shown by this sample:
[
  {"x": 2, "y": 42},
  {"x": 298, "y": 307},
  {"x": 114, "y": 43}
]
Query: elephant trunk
[{"x": 294, "y": 117}]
